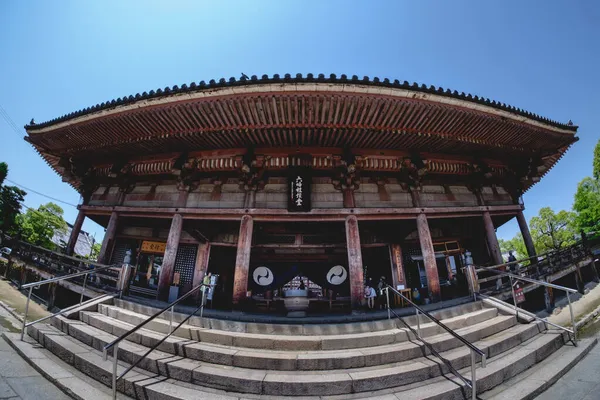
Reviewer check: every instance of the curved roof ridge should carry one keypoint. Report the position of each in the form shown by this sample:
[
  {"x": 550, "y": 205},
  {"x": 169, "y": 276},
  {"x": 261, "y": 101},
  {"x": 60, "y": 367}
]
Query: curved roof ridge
[{"x": 298, "y": 78}]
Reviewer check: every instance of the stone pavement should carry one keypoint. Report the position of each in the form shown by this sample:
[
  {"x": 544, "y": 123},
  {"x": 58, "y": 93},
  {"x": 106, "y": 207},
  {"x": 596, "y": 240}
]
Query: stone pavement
[
  {"x": 18, "y": 379},
  {"x": 583, "y": 381}
]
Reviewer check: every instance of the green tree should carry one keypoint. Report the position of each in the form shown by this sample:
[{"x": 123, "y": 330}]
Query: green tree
[
  {"x": 39, "y": 226},
  {"x": 95, "y": 251},
  {"x": 596, "y": 162},
  {"x": 3, "y": 172},
  {"x": 552, "y": 231},
  {"x": 516, "y": 244},
  {"x": 10, "y": 207},
  {"x": 587, "y": 205}
]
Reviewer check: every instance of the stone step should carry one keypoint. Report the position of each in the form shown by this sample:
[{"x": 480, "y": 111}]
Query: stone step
[
  {"x": 501, "y": 369},
  {"x": 300, "y": 360},
  {"x": 330, "y": 382},
  {"x": 297, "y": 328},
  {"x": 296, "y": 342}
]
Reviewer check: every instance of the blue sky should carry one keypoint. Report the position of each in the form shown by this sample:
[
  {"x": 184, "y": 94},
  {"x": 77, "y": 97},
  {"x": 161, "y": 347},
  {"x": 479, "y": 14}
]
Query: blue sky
[{"x": 59, "y": 57}]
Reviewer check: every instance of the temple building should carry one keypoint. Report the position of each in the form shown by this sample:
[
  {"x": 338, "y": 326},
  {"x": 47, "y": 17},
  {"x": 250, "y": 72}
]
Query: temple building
[{"x": 278, "y": 182}]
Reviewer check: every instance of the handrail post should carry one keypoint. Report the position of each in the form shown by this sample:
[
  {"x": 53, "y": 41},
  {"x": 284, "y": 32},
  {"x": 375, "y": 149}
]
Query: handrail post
[
  {"x": 171, "y": 321},
  {"x": 387, "y": 295},
  {"x": 114, "y": 372},
  {"x": 83, "y": 290},
  {"x": 512, "y": 288},
  {"x": 418, "y": 323},
  {"x": 203, "y": 290},
  {"x": 473, "y": 376},
  {"x": 26, "y": 311},
  {"x": 572, "y": 320}
]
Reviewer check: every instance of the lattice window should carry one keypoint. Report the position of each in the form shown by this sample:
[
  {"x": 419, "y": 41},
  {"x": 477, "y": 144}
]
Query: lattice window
[{"x": 185, "y": 262}]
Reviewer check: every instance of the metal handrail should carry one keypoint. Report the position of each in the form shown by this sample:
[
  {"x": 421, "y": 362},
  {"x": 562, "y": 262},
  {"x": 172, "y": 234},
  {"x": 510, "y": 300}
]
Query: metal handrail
[
  {"x": 115, "y": 343},
  {"x": 473, "y": 349},
  {"x": 512, "y": 277},
  {"x": 37, "y": 284}
]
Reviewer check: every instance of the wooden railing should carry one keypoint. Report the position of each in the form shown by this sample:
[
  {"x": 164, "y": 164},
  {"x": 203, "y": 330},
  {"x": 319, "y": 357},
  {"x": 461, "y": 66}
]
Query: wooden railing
[{"x": 25, "y": 256}]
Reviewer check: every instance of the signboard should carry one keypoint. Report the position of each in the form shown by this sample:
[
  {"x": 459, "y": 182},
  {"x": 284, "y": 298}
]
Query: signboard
[
  {"x": 153, "y": 247},
  {"x": 519, "y": 295},
  {"x": 299, "y": 182}
]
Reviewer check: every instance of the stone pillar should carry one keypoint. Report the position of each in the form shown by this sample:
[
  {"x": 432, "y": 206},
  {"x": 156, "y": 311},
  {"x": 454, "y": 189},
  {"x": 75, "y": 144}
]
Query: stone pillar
[
  {"x": 526, "y": 236},
  {"x": 433, "y": 279},
  {"x": 492, "y": 240},
  {"x": 355, "y": 263},
  {"x": 549, "y": 299},
  {"x": 51, "y": 295},
  {"x": 109, "y": 239},
  {"x": 242, "y": 260},
  {"x": 579, "y": 280},
  {"x": 75, "y": 233},
  {"x": 168, "y": 266},
  {"x": 348, "y": 198},
  {"x": 202, "y": 258},
  {"x": 397, "y": 265}
]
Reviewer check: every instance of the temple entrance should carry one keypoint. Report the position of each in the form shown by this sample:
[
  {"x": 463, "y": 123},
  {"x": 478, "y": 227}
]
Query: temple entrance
[{"x": 221, "y": 266}]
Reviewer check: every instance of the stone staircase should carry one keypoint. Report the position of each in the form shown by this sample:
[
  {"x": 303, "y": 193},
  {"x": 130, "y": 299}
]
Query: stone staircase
[{"x": 219, "y": 359}]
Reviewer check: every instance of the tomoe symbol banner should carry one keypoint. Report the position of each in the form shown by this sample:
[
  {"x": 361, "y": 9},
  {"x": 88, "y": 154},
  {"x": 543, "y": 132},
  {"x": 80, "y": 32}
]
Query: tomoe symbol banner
[
  {"x": 337, "y": 275},
  {"x": 263, "y": 276}
]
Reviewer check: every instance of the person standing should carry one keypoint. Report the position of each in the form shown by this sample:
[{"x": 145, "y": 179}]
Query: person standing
[
  {"x": 370, "y": 295},
  {"x": 381, "y": 292}
]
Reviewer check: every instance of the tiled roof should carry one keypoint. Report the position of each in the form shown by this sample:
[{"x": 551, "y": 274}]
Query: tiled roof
[{"x": 309, "y": 78}]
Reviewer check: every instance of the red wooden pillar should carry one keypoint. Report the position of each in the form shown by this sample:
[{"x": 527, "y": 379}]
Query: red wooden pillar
[
  {"x": 355, "y": 263},
  {"x": 492, "y": 240},
  {"x": 75, "y": 233},
  {"x": 242, "y": 260},
  {"x": 168, "y": 266},
  {"x": 433, "y": 279},
  {"x": 526, "y": 236},
  {"x": 348, "y": 198},
  {"x": 397, "y": 265},
  {"x": 109, "y": 239},
  {"x": 201, "y": 266}
]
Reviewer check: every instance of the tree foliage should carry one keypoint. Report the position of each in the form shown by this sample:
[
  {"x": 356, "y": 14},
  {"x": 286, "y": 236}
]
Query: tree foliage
[
  {"x": 10, "y": 207},
  {"x": 552, "y": 231},
  {"x": 549, "y": 231},
  {"x": 587, "y": 205},
  {"x": 3, "y": 172},
  {"x": 516, "y": 244},
  {"x": 596, "y": 170},
  {"x": 39, "y": 226}
]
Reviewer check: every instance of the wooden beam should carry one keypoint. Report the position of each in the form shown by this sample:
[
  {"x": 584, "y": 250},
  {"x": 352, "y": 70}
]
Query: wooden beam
[
  {"x": 355, "y": 263},
  {"x": 242, "y": 261},
  {"x": 109, "y": 238},
  {"x": 168, "y": 266},
  {"x": 433, "y": 279},
  {"x": 75, "y": 233}
]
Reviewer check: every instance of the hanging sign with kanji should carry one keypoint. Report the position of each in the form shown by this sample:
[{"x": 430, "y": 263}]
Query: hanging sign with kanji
[
  {"x": 519, "y": 294},
  {"x": 299, "y": 181},
  {"x": 153, "y": 247}
]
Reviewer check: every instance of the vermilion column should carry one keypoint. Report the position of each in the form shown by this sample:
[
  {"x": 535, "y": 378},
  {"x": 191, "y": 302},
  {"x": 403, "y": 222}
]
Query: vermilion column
[
  {"x": 75, "y": 233},
  {"x": 109, "y": 238},
  {"x": 242, "y": 260},
  {"x": 492, "y": 240},
  {"x": 355, "y": 263},
  {"x": 201, "y": 266},
  {"x": 168, "y": 266},
  {"x": 348, "y": 198},
  {"x": 526, "y": 236},
  {"x": 397, "y": 265},
  {"x": 433, "y": 279}
]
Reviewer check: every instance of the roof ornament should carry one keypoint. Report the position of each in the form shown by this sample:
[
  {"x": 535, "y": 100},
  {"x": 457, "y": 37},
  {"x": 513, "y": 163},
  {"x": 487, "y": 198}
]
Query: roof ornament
[
  {"x": 570, "y": 123},
  {"x": 32, "y": 122},
  {"x": 244, "y": 77}
]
